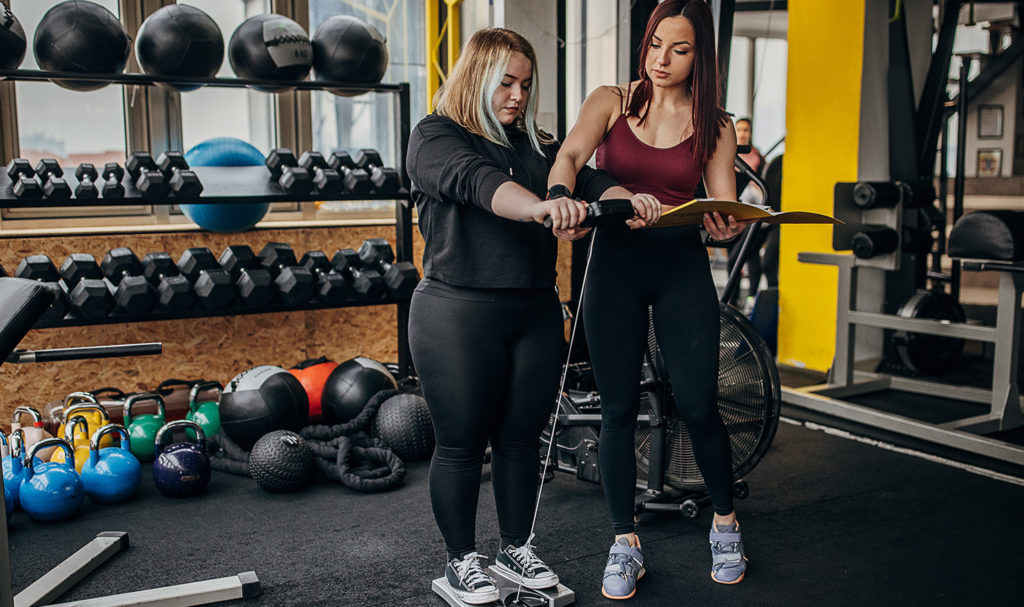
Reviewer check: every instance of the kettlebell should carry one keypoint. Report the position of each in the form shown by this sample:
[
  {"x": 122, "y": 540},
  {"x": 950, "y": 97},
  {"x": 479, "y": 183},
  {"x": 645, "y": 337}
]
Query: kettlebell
[
  {"x": 51, "y": 491},
  {"x": 14, "y": 465},
  {"x": 181, "y": 469},
  {"x": 79, "y": 441},
  {"x": 33, "y": 433},
  {"x": 143, "y": 428},
  {"x": 8, "y": 503},
  {"x": 206, "y": 413},
  {"x": 86, "y": 405},
  {"x": 111, "y": 474}
]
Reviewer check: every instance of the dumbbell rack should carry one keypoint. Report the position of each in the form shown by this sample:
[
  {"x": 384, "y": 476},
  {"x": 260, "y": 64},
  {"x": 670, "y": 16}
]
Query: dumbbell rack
[{"x": 241, "y": 185}]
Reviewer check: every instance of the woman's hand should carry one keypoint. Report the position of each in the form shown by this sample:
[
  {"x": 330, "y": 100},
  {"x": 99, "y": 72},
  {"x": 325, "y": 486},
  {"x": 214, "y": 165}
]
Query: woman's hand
[
  {"x": 564, "y": 212},
  {"x": 724, "y": 229},
  {"x": 648, "y": 211},
  {"x": 571, "y": 234}
]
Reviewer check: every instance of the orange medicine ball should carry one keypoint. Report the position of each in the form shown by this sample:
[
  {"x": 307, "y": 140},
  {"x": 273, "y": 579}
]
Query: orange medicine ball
[{"x": 312, "y": 374}]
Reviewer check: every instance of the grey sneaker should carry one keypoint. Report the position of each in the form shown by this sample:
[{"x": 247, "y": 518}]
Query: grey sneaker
[
  {"x": 728, "y": 564},
  {"x": 625, "y": 566},
  {"x": 468, "y": 580},
  {"x": 523, "y": 561}
]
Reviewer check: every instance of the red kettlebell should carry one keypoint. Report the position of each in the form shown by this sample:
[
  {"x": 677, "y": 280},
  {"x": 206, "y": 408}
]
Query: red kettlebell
[{"x": 312, "y": 374}]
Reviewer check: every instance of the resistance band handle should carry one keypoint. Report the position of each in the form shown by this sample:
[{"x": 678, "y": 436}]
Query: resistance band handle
[
  {"x": 56, "y": 354},
  {"x": 612, "y": 211}
]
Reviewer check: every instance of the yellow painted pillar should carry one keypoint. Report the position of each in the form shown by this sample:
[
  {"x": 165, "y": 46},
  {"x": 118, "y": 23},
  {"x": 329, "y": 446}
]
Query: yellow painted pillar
[{"x": 823, "y": 104}]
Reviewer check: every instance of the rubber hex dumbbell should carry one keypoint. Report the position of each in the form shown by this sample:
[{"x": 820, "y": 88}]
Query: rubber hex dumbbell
[
  {"x": 173, "y": 291},
  {"x": 285, "y": 170},
  {"x": 133, "y": 294},
  {"x": 356, "y": 180},
  {"x": 182, "y": 180},
  {"x": 384, "y": 180},
  {"x": 23, "y": 179},
  {"x": 367, "y": 283},
  {"x": 112, "y": 188},
  {"x": 331, "y": 287},
  {"x": 401, "y": 278},
  {"x": 294, "y": 283},
  {"x": 87, "y": 291},
  {"x": 326, "y": 179},
  {"x": 40, "y": 268},
  {"x": 211, "y": 283},
  {"x": 86, "y": 174},
  {"x": 254, "y": 285},
  {"x": 52, "y": 177},
  {"x": 146, "y": 175}
]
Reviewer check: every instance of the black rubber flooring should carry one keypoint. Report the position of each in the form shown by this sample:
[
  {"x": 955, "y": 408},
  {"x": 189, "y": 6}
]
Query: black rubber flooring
[{"x": 829, "y": 521}]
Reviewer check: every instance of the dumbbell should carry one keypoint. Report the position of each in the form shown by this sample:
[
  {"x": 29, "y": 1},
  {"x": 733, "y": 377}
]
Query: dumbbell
[
  {"x": 294, "y": 283},
  {"x": 173, "y": 291},
  {"x": 40, "y": 268},
  {"x": 133, "y": 294},
  {"x": 401, "y": 278},
  {"x": 385, "y": 181},
  {"x": 286, "y": 171},
  {"x": 146, "y": 175},
  {"x": 331, "y": 287},
  {"x": 211, "y": 283},
  {"x": 23, "y": 179},
  {"x": 182, "y": 180},
  {"x": 112, "y": 176},
  {"x": 52, "y": 178},
  {"x": 327, "y": 180},
  {"x": 356, "y": 180},
  {"x": 87, "y": 291},
  {"x": 254, "y": 284},
  {"x": 86, "y": 174},
  {"x": 367, "y": 283}
]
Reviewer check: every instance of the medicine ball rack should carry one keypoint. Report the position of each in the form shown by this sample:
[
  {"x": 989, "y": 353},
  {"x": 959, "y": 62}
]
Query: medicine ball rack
[{"x": 243, "y": 185}]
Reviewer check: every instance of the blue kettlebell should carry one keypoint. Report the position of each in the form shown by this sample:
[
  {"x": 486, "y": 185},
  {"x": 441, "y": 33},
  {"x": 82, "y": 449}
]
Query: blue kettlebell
[
  {"x": 8, "y": 503},
  {"x": 52, "y": 491},
  {"x": 14, "y": 466},
  {"x": 206, "y": 413},
  {"x": 143, "y": 428},
  {"x": 181, "y": 469},
  {"x": 111, "y": 474}
]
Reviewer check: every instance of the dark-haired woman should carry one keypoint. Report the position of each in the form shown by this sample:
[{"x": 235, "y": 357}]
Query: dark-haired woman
[{"x": 659, "y": 135}]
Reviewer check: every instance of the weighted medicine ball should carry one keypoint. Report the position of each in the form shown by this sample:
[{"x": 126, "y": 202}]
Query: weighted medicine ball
[
  {"x": 348, "y": 49},
  {"x": 349, "y": 387},
  {"x": 12, "y": 40},
  {"x": 78, "y": 36},
  {"x": 403, "y": 423},
  {"x": 261, "y": 400},
  {"x": 225, "y": 217},
  {"x": 313, "y": 374},
  {"x": 281, "y": 461},
  {"x": 270, "y": 47},
  {"x": 180, "y": 40}
]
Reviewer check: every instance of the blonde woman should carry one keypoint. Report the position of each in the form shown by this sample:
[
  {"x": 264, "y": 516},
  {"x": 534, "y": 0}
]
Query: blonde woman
[{"x": 485, "y": 327}]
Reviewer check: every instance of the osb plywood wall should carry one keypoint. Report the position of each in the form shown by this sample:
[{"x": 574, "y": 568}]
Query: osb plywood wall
[{"x": 216, "y": 348}]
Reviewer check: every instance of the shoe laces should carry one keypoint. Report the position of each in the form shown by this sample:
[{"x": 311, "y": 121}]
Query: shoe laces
[
  {"x": 469, "y": 570},
  {"x": 526, "y": 558}
]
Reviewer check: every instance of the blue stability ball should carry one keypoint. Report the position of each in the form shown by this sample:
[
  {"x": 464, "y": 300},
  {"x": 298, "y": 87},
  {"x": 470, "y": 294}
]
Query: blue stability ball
[{"x": 227, "y": 217}]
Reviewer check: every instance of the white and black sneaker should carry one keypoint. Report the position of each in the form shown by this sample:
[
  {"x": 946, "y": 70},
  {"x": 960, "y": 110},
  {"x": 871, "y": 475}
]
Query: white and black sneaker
[
  {"x": 514, "y": 562},
  {"x": 469, "y": 581}
]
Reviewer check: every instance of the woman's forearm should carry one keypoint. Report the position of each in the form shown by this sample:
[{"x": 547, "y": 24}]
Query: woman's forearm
[{"x": 513, "y": 201}]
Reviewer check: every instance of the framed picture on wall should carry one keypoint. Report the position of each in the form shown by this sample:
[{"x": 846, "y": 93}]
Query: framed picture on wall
[
  {"x": 990, "y": 121},
  {"x": 990, "y": 162}
]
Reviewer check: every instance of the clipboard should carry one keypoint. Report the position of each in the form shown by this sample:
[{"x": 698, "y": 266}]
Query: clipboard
[{"x": 692, "y": 213}]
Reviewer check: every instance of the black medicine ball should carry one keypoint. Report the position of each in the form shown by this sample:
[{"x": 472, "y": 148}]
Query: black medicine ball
[
  {"x": 180, "y": 40},
  {"x": 350, "y": 386},
  {"x": 261, "y": 400},
  {"x": 79, "y": 36},
  {"x": 281, "y": 461},
  {"x": 270, "y": 47},
  {"x": 403, "y": 423},
  {"x": 347, "y": 49},
  {"x": 12, "y": 40}
]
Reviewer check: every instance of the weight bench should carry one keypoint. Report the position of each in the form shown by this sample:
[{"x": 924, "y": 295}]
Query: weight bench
[
  {"x": 22, "y": 303},
  {"x": 982, "y": 241}
]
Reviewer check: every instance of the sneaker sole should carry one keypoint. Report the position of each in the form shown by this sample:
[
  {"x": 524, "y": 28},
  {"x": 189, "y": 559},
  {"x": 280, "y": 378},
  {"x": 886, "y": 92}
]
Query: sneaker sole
[
  {"x": 527, "y": 582},
  {"x": 477, "y": 598},
  {"x": 628, "y": 596}
]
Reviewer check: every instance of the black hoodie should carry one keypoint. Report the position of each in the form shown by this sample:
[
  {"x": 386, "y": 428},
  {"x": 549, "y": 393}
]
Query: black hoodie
[{"x": 454, "y": 176}]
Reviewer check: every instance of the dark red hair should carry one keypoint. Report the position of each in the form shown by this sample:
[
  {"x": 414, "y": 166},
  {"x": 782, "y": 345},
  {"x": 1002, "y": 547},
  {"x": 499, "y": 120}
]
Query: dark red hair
[{"x": 708, "y": 115}]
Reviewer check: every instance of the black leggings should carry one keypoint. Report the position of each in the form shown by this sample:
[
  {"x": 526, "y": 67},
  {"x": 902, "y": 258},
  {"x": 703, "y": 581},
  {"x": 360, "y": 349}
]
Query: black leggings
[
  {"x": 666, "y": 268},
  {"x": 488, "y": 362}
]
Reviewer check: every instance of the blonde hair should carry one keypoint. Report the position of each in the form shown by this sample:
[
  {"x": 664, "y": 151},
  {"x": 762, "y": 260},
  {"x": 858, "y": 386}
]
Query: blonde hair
[{"x": 466, "y": 95}]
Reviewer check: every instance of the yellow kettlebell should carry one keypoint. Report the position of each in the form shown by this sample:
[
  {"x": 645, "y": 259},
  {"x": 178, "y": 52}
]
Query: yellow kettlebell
[
  {"x": 34, "y": 432},
  {"x": 88, "y": 407},
  {"x": 79, "y": 442}
]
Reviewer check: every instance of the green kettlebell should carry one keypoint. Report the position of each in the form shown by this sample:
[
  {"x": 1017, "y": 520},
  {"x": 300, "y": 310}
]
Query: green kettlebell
[
  {"x": 205, "y": 413},
  {"x": 142, "y": 429}
]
